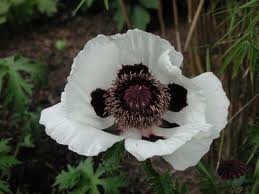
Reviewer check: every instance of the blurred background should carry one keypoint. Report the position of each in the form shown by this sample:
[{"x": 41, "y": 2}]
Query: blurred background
[{"x": 40, "y": 38}]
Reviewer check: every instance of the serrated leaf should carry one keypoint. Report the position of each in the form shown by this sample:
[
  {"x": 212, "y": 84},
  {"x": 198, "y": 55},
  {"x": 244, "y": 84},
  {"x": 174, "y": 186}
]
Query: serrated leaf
[
  {"x": 8, "y": 161},
  {"x": 19, "y": 74},
  {"x": 113, "y": 157},
  {"x": 4, "y": 147},
  {"x": 27, "y": 142},
  {"x": 140, "y": 17},
  {"x": 4, "y": 187},
  {"x": 151, "y": 4},
  {"x": 67, "y": 179},
  {"x": 48, "y": 7},
  {"x": 253, "y": 135},
  {"x": 85, "y": 179},
  {"x": 4, "y": 7},
  {"x": 161, "y": 184},
  {"x": 3, "y": 19},
  {"x": 114, "y": 184},
  {"x": 208, "y": 182}
]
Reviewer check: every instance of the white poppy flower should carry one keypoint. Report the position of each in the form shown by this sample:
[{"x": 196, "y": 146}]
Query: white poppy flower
[{"x": 131, "y": 84}]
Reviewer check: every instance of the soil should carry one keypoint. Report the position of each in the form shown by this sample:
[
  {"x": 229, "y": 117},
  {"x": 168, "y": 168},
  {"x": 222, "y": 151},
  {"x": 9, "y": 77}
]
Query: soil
[{"x": 38, "y": 43}]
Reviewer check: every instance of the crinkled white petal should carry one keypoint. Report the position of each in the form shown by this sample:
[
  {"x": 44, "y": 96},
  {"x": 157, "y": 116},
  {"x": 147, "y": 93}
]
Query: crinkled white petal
[
  {"x": 176, "y": 137},
  {"x": 216, "y": 114},
  {"x": 189, "y": 154},
  {"x": 217, "y": 103},
  {"x": 195, "y": 110},
  {"x": 137, "y": 46},
  {"x": 82, "y": 139},
  {"x": 94, "y": 67}
]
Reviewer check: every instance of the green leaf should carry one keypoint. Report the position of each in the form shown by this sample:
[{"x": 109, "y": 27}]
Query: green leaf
[
  {"x": 255, "y": 186},
  {"x": 253, "y": 135},
  {"x": 162, "y": 184},
  {"x": 251, "y": 3},
  {"x": 48, "y": 7},
  {"x": 88, "y": 4},
  {"x": 113, "y": 157},
  {"x": 20, "y": 73},
  {"x": 106, "y": 4},
  {"x": 119, "y": 19},
  {"x": 113, "y": 185},
  {"x": 7, "y": 161},
  {"x": 3, "y": 72},
  {"x": 151, "y": 4},
  {"x": 61, "y": 44},
  {"x": 4, "y": 147},
  {"x": 4, "y": 187},
  {"x": 4, "y": 7},
  {"x": 3, "y": 19},
  {"x": 67, "y": 179},
  {"x": 140, "y": 17},
  {"x": 208, "y": 60},
  {"x": 85, "y": 179},
  {"x": 208, "y": 181},
  {"x": 27, "y": 141}
]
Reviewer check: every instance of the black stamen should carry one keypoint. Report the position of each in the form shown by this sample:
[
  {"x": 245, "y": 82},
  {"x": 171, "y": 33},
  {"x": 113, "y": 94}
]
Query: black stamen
[
  {"x": 166, "y": 124},
  {"x": 152, "y": 138},
  {"x": 178, "y": 97},
  {"x": 137, "y": 68},
  {"x": 98, "y": 102}
]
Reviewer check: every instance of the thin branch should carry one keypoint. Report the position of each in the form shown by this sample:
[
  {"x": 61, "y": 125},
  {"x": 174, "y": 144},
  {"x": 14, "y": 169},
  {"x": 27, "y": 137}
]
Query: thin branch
[
  {"x": 189, "y": 4},
  {"x": 229, "y": 121},
  {"x": 125, "y": 13},
  {"x": 160, "y": 17},
  {"x": 242, "y": 108},
  {"x": 193, "y": 25},
  {"x": 176, "y": 25}
]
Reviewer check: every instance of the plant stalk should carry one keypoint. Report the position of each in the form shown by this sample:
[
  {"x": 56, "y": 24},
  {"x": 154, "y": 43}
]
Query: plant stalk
[
  {"x": 125, "y": 13},
  {"x": 176, "y": 25},
  {"x": 160, "y": 17},
  {"x": 193, "y": 25}
]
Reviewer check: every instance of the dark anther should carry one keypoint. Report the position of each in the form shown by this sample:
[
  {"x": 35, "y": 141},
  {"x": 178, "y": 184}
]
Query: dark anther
[
  {"x": 178, "y": 97},
  {"x": 98, "y": 102},
  {"x": 166, "y": 124},
  {"x": 152, "y": 138},
  {"x": 137, "y": 68}
]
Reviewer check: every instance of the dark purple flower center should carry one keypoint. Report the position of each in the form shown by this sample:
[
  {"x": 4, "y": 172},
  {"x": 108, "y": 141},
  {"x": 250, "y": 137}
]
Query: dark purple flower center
[{"x": 137, "y": 97}]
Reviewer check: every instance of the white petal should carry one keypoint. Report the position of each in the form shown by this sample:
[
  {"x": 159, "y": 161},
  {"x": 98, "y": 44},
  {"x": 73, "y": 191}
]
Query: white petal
[
  {"x": 132, "y": 134},
  {"x": 176, "y": 137},
  {"x": 189, "y": 154},
  {"x": 217, "y": 103},
  {"x": 216, "y": 114},
  {"x": 137, "y": 46},
  {"x": 165, "y": 71},
  {"x": 94, "y": 67},
  {"x": 82, "y": 139},
  {"x": 195, "y": 110}
]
